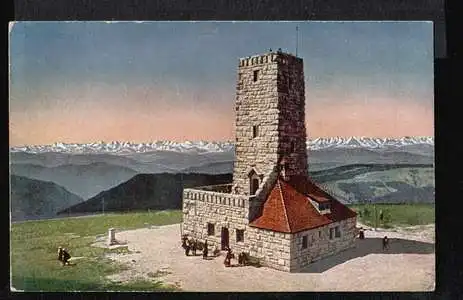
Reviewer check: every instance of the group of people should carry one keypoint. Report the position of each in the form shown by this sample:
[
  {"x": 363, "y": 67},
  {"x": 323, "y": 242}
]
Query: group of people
[
  {"x": 192, "y": 245},
  {"x": 63, "y": 256},
  {"x": 385, "y": 239}
]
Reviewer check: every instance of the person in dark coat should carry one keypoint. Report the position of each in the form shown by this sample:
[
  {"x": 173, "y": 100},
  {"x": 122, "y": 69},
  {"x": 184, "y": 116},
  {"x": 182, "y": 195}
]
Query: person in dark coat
[
  {"x": 193, "y": 246},
  {"x": 66, "y": 257},
  {"x": 60, "y": 254},
  {"x": 228, "y": 257},
  {"x": 205, "y": 250},
  {"x": 385, "y": 243},
  {"x": 184, "y": 244},
  {"x": 187, "y": 249},
  {"x": 361, "y": 233}
]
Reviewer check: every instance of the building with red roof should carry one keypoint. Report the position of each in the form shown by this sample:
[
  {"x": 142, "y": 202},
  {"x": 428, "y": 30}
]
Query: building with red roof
[{"x": 272, "y": 210}]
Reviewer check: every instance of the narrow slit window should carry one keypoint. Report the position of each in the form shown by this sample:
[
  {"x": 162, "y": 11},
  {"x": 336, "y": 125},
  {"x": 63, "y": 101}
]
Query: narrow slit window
[
  {"x": 255, "y": 131},
  {"x": 331, "y": 233},
  {"x": 256, "y": 75},
  {"x": 293, "y": 147}
]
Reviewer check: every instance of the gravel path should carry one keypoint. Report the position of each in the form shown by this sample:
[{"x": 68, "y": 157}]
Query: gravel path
[{"x": 408, "y": 265}]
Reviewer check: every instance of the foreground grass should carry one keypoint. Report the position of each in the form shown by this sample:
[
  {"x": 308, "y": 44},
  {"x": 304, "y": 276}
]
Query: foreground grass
[
  {"x": 395, "y": 214},
  {"x": 34, "y": 264}
]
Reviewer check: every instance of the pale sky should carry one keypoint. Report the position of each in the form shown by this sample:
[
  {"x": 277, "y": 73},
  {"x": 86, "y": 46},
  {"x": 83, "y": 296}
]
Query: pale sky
[{"x": 91, "y": 81}]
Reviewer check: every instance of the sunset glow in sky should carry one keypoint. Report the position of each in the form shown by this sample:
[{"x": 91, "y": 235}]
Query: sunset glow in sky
[{"x": 78, "y": 82}]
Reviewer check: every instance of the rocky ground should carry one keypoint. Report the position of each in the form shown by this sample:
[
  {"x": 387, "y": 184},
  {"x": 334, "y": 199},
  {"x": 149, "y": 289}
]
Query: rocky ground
[{"x": 409, "y": 264}]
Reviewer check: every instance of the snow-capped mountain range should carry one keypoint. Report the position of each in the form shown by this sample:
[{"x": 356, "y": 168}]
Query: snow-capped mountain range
[{"x": 211, "y": 146}]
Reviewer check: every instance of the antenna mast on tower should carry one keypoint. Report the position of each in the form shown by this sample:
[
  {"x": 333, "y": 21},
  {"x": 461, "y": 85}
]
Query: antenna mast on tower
[{"x": 297, "y": 38}]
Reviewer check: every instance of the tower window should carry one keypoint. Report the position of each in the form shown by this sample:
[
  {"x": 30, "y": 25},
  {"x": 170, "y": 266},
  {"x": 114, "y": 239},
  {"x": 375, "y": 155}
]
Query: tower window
[
  {"x": 256, "y": 75},
  {"x": 293, "y": 147},
  {"x": 255, "y": 131},
  {"x": 254, "y": 186}
]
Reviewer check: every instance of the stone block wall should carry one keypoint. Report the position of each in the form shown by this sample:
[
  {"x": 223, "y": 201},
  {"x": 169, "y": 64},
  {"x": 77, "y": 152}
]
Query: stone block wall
[
  {"x": 223, "y": 210},
  {"x": 291, "y": 126},
  {"x": 256, "y": 104},
  {"x": 275, "y": 103},
  {"x": 319, "y": 244},
  {"x": 272, "y": 248}
]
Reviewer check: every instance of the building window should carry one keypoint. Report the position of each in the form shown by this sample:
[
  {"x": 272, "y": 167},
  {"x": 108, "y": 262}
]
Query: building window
[
  {"x": 304, "y": 242},
  {"x": 239, "y": 235},
  {"x": 254, "y": 186},
  {"x": 293, "y": 147},
  {"x": 320, "y": 234},
  {"x": 210, "y": 229},
  {"x": 337, "y": 232},
  {"x": 331, "y": 233},
  {"x": 255, "y": 131},
  {"x": 256, "y": 75}
]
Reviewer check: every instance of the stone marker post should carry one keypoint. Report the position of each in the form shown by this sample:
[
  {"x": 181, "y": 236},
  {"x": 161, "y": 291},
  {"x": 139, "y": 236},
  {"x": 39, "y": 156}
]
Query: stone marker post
[{"x": 111, "y": 236}]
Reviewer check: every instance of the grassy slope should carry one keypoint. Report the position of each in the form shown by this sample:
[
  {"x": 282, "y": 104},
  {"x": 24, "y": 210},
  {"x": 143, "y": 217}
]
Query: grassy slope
[
  {"x": 34, "y": 265},
  {"x": 396, "y": 214}
]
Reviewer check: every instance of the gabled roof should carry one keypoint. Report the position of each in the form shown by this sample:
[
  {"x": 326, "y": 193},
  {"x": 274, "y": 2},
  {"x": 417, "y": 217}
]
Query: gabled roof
[{"x": 287, "y": 208}]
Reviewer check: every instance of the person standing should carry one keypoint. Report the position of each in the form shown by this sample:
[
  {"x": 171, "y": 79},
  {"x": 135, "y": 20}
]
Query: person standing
[
  {"x": 361, "y": 233},
  {"x": 205, "y": 250},
  {"x": 385, "y": 243},
  {"x": 60, "y": 254},
  {"x": 228, "y": 258},
  {"x": 66, "y": 257},
  {"x": 193, "y": 246}
]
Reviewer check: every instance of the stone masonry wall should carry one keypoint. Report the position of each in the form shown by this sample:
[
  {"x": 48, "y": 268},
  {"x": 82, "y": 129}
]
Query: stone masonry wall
[
  {"x": 256, "y": 105},
  {"x": 275, "y": 103},
  {"x": 223, "y": 210},
  {"x": 319, "y": 243},
  {"x": 272, "y": 248},
  {"x": 291, "y": 125}
]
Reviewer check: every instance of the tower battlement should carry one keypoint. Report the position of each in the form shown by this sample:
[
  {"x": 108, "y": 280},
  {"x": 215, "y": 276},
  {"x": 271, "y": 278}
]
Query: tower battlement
[{"x": 269, "y": 57}]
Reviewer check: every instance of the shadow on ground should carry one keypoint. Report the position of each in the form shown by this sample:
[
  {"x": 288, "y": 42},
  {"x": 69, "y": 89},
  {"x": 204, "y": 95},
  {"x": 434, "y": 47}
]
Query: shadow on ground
[{"x": 370, "y": 246}]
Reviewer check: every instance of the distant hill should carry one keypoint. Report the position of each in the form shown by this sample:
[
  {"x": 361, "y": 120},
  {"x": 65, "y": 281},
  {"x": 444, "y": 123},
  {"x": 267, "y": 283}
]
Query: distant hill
[
  {"x": 350, "y": 171},
  {"x": 147, "y": 191},
  {"x": 220, "y": 167},
  {"x": 369, "y": 156},
  {"x": 83, "y": 180},
  {"x": 35, "y": 199},
  {"x": 379, "y": 184}
]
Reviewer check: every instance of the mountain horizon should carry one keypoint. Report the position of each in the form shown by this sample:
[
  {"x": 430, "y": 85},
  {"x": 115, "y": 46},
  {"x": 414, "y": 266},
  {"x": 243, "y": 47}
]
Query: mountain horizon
[{"x": 211, "y": 140}]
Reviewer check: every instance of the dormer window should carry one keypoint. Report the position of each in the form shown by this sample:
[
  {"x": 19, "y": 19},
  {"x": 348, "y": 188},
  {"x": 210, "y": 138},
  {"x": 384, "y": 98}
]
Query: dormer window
[{"x": 322, "y": 207}]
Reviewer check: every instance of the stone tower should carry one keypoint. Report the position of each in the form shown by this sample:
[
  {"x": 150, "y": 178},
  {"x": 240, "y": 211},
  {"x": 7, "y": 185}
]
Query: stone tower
[{"x": 270, "y": 120}]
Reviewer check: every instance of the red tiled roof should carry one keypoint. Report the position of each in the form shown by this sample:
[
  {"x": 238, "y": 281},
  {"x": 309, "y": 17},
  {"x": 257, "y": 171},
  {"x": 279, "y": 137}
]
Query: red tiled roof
[{"x": 288, "y": 210}]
